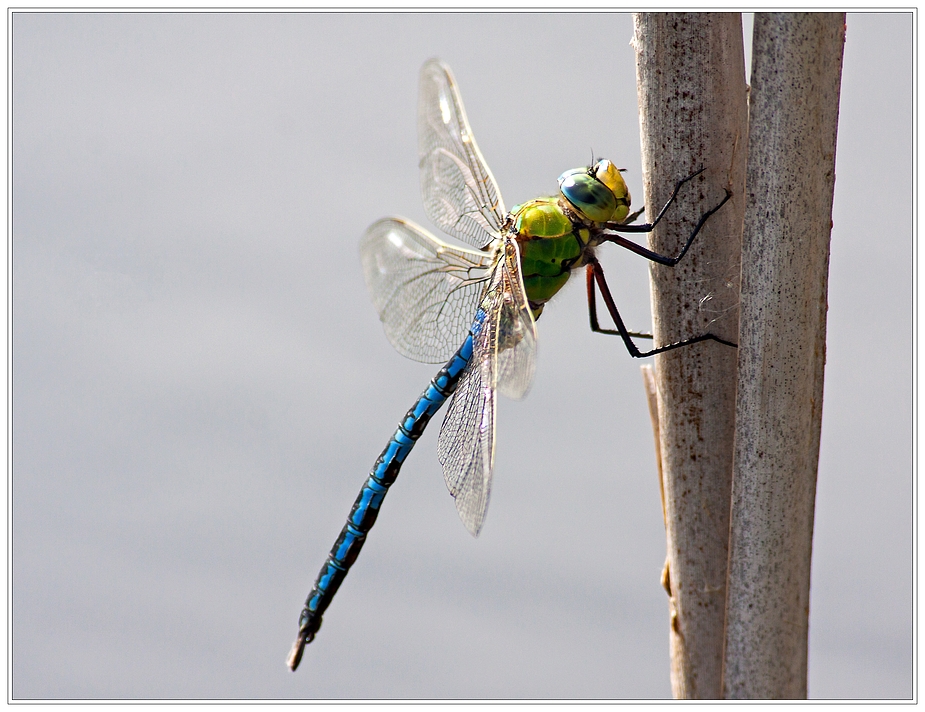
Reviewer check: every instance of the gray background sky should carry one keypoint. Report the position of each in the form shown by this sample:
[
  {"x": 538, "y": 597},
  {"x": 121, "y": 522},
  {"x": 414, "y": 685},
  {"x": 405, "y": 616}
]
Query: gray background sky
[{"x": 200, "y": 383}]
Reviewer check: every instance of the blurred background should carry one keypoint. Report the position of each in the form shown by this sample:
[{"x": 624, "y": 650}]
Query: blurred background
[{"x": 200, "y": 383}]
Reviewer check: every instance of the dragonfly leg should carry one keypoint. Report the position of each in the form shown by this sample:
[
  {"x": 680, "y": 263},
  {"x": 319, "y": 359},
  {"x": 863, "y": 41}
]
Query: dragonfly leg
[
  {"x": 631, "y": 218},
  {"x": 592, "y": 313},
  {"x": 609, "y": 233},
  {"x": 649, "y": 227},
  {"x": 595, "y": 275}
]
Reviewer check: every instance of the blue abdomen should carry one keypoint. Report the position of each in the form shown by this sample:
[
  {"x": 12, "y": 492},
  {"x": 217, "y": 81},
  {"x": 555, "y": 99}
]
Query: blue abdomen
[{"x": 369, "y": 501}]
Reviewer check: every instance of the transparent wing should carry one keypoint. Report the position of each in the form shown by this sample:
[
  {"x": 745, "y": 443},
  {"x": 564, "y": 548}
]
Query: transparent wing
[
  {"x": 515, "y": 340},
  {"x": 424, "y": 290},
  {"x": 466, "y": 446},
  {"x": 503, "y": 360},
  {"x": 460, "y": 194}
]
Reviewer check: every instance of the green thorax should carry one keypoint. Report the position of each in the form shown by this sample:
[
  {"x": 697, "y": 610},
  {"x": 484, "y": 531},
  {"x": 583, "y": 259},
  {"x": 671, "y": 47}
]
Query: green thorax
[{"x": 550, "y": 247}]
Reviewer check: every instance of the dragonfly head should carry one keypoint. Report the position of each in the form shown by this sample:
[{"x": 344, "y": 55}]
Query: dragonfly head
[{"x": 596, "y": 193}]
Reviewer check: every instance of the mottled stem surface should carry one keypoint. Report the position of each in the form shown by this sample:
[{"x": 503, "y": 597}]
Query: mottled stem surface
[
  {"x": 795, "y": 82},
  {"x": 690, "y": 73}
]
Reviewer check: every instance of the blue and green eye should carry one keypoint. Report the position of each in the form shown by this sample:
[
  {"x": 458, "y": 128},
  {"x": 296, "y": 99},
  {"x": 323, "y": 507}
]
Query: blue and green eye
[{"x": 598, "y": 193}]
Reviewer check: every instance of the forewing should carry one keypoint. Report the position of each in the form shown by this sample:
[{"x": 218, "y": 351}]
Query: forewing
[
  {"x": 460, "y": 194},
  {"x": 424, "y": 290}
]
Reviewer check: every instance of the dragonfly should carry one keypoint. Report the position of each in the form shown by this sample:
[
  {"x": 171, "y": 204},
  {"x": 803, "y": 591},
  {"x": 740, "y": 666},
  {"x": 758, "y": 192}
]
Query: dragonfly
[{"x": 432, "y": 296}]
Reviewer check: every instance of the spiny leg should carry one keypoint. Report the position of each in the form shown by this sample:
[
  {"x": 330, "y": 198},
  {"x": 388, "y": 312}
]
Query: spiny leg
[
  {"x": 610, "y": 236},
  {"x": 595, "y": 274},
  {"x": 631, "y": 218},
  {"x": 592, "y": 314},
  {"x": 648, "y": 227}
]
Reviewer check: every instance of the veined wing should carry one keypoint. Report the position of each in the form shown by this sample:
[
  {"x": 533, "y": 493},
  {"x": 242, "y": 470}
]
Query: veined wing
[
  {"x": 460, "y": 194},
  {"x": 515, "y": 329},
  {"x": 424, "y": 290},
  {"x": 503, "y": 360}
]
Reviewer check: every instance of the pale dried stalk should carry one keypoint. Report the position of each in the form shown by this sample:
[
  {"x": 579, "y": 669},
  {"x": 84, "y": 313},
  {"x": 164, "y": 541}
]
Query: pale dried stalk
[
  {"x": 648, "y": 382},
  {"x": 795, "y": 80},
  {"x": 692, "y": 98}
]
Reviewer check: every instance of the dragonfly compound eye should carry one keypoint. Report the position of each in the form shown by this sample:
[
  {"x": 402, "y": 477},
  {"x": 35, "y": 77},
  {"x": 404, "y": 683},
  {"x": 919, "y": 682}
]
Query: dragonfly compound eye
[
  {"x": 588, "y": 195},
  {"x": 608, "y": 174}
]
